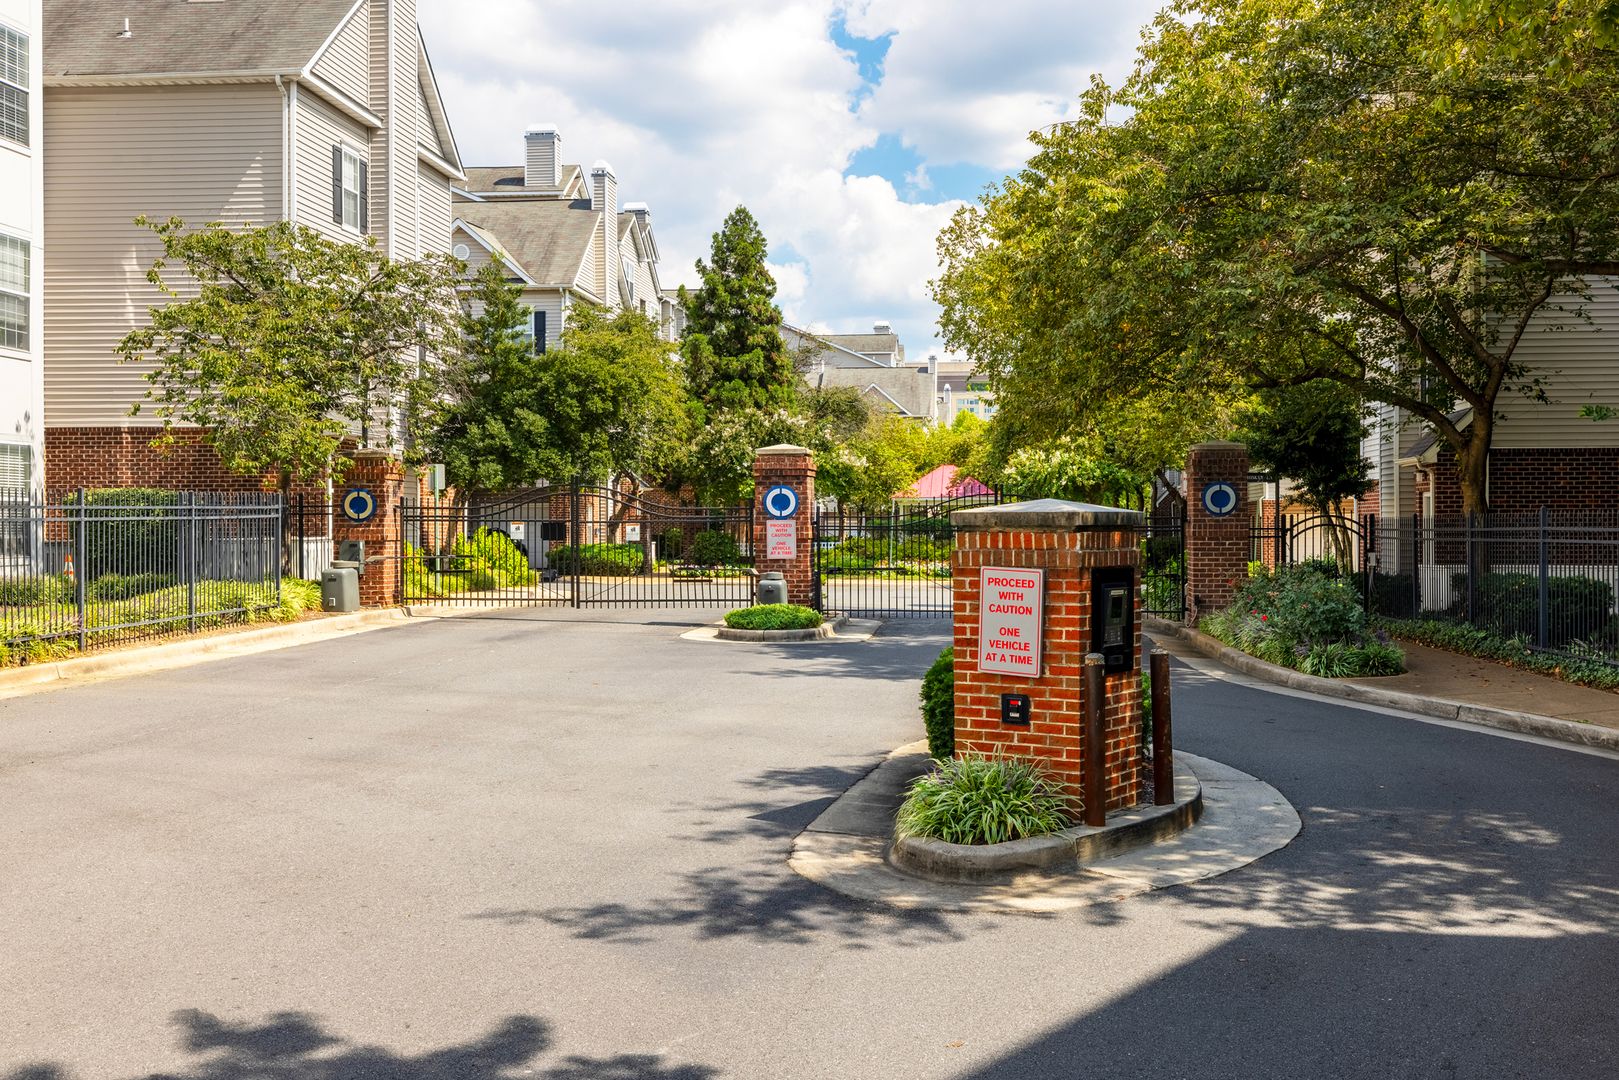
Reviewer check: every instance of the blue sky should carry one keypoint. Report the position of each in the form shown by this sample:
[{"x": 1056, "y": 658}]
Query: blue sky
[{"x": 852, "y": 129}]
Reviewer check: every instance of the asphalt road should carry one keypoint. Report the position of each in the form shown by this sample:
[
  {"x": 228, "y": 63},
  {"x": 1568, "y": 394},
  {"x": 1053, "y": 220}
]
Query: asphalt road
[{"x": 553, "y": 845}]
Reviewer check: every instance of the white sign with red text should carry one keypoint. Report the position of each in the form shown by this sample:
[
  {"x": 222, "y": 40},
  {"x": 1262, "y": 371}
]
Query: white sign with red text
[
  {"x": 1010, "y": 619},
  {"x": 781, "y": 539}
]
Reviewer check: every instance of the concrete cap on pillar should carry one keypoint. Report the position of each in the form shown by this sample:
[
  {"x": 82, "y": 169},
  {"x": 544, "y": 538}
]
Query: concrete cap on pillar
[
  {"x": 783, "y": 449},
  {"x": 1045, "y": 514}
]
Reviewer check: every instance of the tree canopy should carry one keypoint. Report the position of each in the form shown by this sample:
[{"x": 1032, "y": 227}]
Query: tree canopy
[
  {"x": 733, "y": 351},
  {"x": 1292, "y": 190}
]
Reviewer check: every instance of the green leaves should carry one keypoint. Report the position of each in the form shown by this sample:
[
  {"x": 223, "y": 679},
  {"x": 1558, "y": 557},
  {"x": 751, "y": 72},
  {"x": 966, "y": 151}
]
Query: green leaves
[
  {"x": 282, "y": 344},
  {"x": 733, "y": 351},
  {"x": 984, "y": 800}
]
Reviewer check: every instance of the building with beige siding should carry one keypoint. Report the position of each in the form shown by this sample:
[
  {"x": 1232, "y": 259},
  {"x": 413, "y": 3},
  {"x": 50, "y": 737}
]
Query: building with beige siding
[
  {"x": 323, "y": 112},
  {"x": 22, "y": 268},
  {"x": 561, "y": 231},
  {"x": 873, "y": 364}
]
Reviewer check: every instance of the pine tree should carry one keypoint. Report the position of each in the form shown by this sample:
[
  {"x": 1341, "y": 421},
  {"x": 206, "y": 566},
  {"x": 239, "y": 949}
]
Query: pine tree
[{"x": 733, "y": 351}]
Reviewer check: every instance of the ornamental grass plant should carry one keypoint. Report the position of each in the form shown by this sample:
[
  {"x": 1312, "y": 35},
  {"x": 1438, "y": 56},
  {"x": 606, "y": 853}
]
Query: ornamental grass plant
[{"x": 977, "y": 799}]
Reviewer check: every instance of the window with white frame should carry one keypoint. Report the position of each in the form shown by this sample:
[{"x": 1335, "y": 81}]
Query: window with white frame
[
  {"x": 348, "y": 189},
  {"x": 14, "y": 290},
  {"x": 13, "y": 85},
  {"x": 16, "y": 477}
]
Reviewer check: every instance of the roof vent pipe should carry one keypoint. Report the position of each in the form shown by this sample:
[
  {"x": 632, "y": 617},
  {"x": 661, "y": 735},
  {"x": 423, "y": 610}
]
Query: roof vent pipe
[{"x": 126, "y": 32}]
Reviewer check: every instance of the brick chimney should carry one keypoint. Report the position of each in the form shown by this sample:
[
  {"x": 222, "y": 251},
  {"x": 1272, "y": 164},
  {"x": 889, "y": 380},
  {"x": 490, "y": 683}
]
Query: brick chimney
[
  {"x": 542, "y": 159},
  {"x": 604, "y": 197}
]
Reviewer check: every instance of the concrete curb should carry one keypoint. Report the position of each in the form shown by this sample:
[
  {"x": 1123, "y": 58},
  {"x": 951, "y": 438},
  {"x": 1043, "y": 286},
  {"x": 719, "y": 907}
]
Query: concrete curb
[
  {"x": 845, "y": 849},
  {"x": 827, "y": 629},
  {"x": 1522, "y": 723},
  {"x": 33, "y": 678},
  {"x": 1070, "y": 849}
]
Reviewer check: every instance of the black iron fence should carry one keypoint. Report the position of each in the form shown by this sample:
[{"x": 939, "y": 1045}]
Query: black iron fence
[
  {"x": 103, "y": 566},
  {"x": 890, "y": 564},
  {"x": 1548, "y": 580}
]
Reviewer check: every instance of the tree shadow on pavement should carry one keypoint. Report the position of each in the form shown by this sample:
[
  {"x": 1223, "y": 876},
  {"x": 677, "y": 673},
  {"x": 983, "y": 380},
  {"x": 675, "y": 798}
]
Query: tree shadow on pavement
[
  {"x": 763, "y": 899},
  {"x": 295, "y": 1046}
]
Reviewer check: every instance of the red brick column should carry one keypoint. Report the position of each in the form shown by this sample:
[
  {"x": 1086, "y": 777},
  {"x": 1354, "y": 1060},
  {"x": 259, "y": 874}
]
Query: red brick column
[
  {"x": 1068, "y": 541},
  {"x": 384, "y": 478},
  {"x": 794, "y": 467},
  {"x": 1217, "y": 546}
]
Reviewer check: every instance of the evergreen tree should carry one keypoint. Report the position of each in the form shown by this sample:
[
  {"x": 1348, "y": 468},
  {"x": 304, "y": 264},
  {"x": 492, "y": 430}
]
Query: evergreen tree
[{"x": 733, "y": 351}]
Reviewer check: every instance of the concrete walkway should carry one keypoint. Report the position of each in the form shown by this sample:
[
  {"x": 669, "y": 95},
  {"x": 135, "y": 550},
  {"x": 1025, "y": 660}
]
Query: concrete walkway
[{"x": 1436, "y": 673}]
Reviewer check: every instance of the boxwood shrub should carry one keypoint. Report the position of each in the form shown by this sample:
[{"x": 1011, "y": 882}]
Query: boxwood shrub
[
  {"x": 939, "y": 705},
  {"x": 773, "y": 617},
  {"x": 598, "y": 560}
]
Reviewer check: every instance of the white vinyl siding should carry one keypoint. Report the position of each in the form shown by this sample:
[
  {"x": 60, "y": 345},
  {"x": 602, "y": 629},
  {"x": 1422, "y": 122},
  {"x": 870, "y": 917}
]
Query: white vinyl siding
[
  {"x": 586, "y": 278},
  {"x": 14, "y": 70},
  {"x": 426, "y": 130},
  {"x": 477, "y": 255},
  {"x": 200, "y": 153},
  {"x": 1580, "y": 366},
  {"x": 15, "y": 281},
  {"x": 320, "y": 127},
  {"x": 434, "y": 191},
  {"x": 548, "y": 301},
  {"x": 346, "y": 63}
]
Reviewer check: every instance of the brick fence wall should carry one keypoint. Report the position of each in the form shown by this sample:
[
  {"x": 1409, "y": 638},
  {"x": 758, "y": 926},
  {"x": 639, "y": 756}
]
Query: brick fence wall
[{"x": 794, "y": 467}]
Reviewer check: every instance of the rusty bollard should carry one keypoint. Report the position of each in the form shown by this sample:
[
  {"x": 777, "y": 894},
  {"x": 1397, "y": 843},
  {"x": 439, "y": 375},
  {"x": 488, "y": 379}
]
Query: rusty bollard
[
  {"x": 1095, "y": 774},
  {"x": 1163, "y": 749}
]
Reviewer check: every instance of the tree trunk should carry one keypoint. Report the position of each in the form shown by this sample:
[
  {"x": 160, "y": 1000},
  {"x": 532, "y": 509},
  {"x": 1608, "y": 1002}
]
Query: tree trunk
[
  {"x": 1472, "y": 471},
  {"x": 289, "y": 535}
]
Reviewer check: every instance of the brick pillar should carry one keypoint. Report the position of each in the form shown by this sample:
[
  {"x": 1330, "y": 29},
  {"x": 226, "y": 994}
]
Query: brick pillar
[
  {"x": 1217, "y": 545},
  {"x": 792, "y": 467},
  {"x": 384, "y": 478},
  {"x": 1068, "y": 541}
]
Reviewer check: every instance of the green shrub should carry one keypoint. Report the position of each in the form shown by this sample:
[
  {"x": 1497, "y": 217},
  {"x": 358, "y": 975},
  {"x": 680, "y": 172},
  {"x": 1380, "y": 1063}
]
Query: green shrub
[
  {"x": 124, "y": 586},
  {"x": 483, "y": 579},
  {"x": 715, "y": 547},
  {"x": 492, "y": 550},
  {"x": 1307, "y": 617},
  {"x": 598, "y": 560},
  {"x": 984, "y": 800},
  {"x": 773, "y": 617},
  {"x": 939, "y": 705},
  {"x": 132, "y": 530},
  {"x": 672, "y": 542},
  {"x": 862, "y": 552},
  {"x": 34, "y": 591},
  {"x": 1510, "y": 604}
]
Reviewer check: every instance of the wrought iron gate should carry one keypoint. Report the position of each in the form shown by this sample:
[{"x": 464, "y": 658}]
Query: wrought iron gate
[
  {"x": 1349, "y": 543},
  {"x": 889, "y": 565},
  {"x": 577, "y": 546}
]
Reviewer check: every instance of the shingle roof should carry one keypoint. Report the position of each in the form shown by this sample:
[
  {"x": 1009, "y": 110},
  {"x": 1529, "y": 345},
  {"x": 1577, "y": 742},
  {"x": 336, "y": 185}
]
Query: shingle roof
[
  {"x": 177, "y": 36},
  {"x": 548, "y": 238},
  {"x": 1430, "y": 438},
  {"x": 866, "y": 343},
  {"x": 510, "y": 178}
]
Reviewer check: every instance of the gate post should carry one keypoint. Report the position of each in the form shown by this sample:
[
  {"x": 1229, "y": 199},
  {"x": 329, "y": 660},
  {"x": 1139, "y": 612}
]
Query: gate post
[
  {"x": 1044, "y": 593},
  {"x": 784, "y": 543},
  {"x": 1218, "y": 529},
  {"x": 382, "y": 478}
]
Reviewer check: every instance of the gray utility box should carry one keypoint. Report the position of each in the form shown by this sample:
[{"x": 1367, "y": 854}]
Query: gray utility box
[
  {"x": 772, "y": 589},
  {"x": 351, "y": 552},
  {"x": 340, "y": 587}
]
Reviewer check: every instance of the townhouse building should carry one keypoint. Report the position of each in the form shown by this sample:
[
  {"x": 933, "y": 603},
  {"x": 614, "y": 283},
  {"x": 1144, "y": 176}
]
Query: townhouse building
[
  {"x": 562, "y": 233},
  {"x": 872, "y": 363},
  {"x": 321, "y": 112},
  {"x": 22, "y": 268}
]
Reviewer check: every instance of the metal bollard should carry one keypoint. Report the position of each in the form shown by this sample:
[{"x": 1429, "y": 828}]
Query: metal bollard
[
  {"x": 1163, "y": 749},
  {"x": 1095, "y": 774}
]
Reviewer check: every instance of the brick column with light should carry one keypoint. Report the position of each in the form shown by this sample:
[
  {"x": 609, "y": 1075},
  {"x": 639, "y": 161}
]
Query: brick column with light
[
  {"x": 384, "y": 478},
  {"x": 793, "y": 467},
  {"x": 1218, "y": 546},
  {"x": 1068, "y": 541}
]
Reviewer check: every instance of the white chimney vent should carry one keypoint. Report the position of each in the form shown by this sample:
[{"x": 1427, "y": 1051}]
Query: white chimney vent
[{"x": 542, "y": 158}]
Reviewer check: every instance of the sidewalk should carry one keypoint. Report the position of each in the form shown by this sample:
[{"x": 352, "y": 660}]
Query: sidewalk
[
  {"x": 1436, "y": 673},
  {"x": 1443, "y": 685}
]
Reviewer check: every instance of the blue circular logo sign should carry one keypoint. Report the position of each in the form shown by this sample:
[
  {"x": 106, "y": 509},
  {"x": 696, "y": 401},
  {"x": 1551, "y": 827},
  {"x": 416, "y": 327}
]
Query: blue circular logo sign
[
  {"x": 359, "y": 505},
  {"x": 1219, "y": 498},
  {"x": 781, "y": 501}
]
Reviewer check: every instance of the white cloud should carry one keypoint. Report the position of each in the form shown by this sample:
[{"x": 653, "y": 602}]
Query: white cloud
[{"x": 702, "y": 105}]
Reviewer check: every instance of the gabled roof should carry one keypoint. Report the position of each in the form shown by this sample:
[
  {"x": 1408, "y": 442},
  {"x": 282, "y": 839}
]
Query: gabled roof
[
  {"x": 508, "y": 179},
  {"x": 866, "y": 343},
  {"x": 827, "y": 342},
  {"x": 944, "y": 482},
  {"x": 886, "y": 396},
  {"x": 81, "y": 37},
  {"x": 548, "y": 239},
  {"x": 1425, "y": 451},
  {"x": 448, "y": 151}
]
